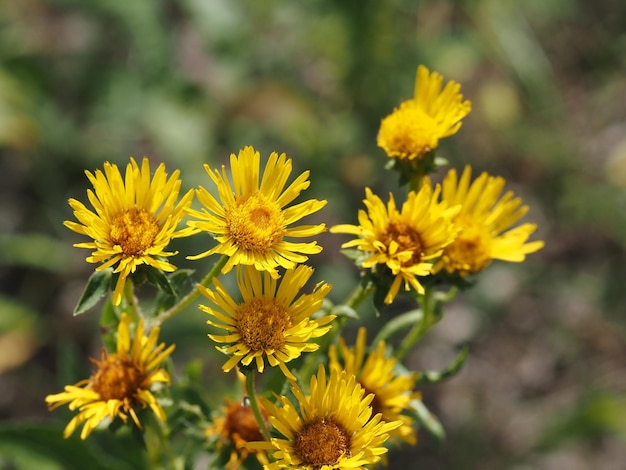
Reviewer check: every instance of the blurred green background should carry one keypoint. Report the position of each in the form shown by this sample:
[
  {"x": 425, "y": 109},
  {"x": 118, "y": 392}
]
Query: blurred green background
[{"x": 190, "y": 81}]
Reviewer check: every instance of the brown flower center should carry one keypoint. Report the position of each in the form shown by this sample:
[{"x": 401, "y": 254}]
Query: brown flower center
[
  {"x": 469, "y": 253},
  {"x": 262, "y": 323},
  {"x": 241, "y": 425},
  {"x": 134, "y": 231},
  {"x": 116, "y": 379},
  {"x": 408, "y": 240},
  {"x": 255, "y": 223},
  {"x": 322, "y": 442}
]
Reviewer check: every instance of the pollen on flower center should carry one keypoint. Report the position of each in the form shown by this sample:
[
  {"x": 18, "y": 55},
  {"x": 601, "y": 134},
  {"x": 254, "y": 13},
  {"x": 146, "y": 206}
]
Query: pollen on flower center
[
  {"x": 135, "y": 231},
  {"x": 262, "y": 324},
  {"x": 116, "y": 379},
  {"x": 255, "y": 223},
  {"x": 322, "y": 442},
  {"x": 406, "y": 238},
  {"x": 469, "y": 253}
]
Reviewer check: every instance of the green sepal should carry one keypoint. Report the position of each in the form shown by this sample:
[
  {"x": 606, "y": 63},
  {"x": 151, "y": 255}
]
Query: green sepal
[
  {"x": 427, "y": 420},
  {"x": 431, "y": 377},
  {"x": 411, "y": 171},
  {"x": 98, "y": 286}
]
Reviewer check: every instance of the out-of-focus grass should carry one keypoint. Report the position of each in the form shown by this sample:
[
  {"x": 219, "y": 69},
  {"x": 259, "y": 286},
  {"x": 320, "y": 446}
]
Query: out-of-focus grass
[{"x": 190, "y": 82}]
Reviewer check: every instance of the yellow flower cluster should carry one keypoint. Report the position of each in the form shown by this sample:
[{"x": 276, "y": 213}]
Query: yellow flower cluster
[{"x": 348, "y": 410}]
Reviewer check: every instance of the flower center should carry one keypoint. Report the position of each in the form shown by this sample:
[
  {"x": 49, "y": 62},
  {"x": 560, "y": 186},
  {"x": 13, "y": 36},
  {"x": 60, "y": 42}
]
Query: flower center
[
  {"x": 116, "y": 379},
  {"x": 322, "y": 442},
  {"x": 255, "y": 223},
  {"x": 409, "y": 132},
  {"x": 469, "y": 253},
  {"x": 408, "y": 241},
  {"x": 134, "y": 231},
  {"x": 241, "y": 424},
  {"x": 262, "y": 323}
]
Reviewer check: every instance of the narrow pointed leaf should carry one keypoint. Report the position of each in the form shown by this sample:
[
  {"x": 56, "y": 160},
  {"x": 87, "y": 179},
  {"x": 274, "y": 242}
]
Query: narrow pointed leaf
[
  {"x": 430, "y": 377},
  {"x": 98, "y": 286}
]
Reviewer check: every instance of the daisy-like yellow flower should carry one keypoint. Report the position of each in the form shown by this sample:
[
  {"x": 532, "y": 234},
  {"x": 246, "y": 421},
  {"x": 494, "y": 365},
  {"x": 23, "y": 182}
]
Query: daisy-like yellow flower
[
  {"x": 334, "y": 428},
  {"x": 485, "y": 222},
  {"x": 251, "y": 222},
  {"x": 134, "y": 220},
  {"x": 376, "y": 374},
  {"x": 415, "y": 128},
  {"x": 121, "y": 383},
  {"x": 406, "y": 241},
  {"x": 270, "y": 322},
  {"x": 237, "y": 427}
]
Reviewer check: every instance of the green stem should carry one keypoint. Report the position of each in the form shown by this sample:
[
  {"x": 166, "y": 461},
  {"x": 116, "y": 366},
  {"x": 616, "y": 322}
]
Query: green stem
[
  {"x": 356, "y": 298},
  {"x": 359, "y": 294},
  {"x": 353, "y": 301},
  {"x": 418, "y": 329},
  {"x": 193, "y": 295},
  {"x": 254, "y": 404},
  {"x": 414, "y": 183},
  {"x": 130, "y": 305},
  {"x": 159, "y": 452}
]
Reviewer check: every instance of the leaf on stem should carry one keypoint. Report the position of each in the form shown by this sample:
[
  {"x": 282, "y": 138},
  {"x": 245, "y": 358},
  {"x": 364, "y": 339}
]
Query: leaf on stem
[
  {"x": 431, "y": 377},
  {"x": 98, "y": 285}
]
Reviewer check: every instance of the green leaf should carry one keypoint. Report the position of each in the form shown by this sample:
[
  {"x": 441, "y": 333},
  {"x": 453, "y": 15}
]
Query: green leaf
[
  {"x": 399, "y": 323},
  {"x": 345, "y": 311},
  {"x": 356, "y": 256},
  {"x": 97, "y": 287},
  {"x": 431, "y": 377},
  {"x": 159, "y": 279},
  {"x": 179, "y": 280},
  {"x": 428, "y": 420}
]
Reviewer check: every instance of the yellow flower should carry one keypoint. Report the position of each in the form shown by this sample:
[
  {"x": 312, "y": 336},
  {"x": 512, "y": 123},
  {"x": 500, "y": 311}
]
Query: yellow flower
[
  {"x": 334, "y": 428},
  {"x": 485, "y": 222},
  {"x": 237, "y": 427},
  {"x": 414, "y": 129},
  {"x": 251, "y": 222},
  {"x": 120, "y": 384},
  {"x": 376, "y": 374},
  {"x": 268, "y": 322},
  {"x": 134, "y": 220},
  {"x": 406, "y": 241}
]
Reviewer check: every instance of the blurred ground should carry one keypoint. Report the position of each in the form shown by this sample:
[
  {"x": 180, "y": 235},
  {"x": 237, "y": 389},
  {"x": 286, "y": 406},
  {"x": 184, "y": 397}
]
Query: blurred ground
[{"x": 190, "y": 82}]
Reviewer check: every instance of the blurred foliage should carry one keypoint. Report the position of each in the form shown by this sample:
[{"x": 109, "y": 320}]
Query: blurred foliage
[{"x": 189, "y": 82}]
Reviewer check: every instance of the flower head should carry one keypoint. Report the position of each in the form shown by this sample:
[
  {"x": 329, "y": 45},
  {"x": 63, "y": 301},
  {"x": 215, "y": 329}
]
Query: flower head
[
  {"x": 393, "y": 392},
  {"x": 334, "y": 428},
  {"x": 406, "y": 241},
  {"x": 251, "y": 222},
  {"x": 237, "y": 427},
  {"x": 121, "y": 383},
  {"x": 415, "y": 128},
  {"x": 270, "y": 322},
  {"x": 485, "y": 222},
  {"x": 134, "y": 220}
]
